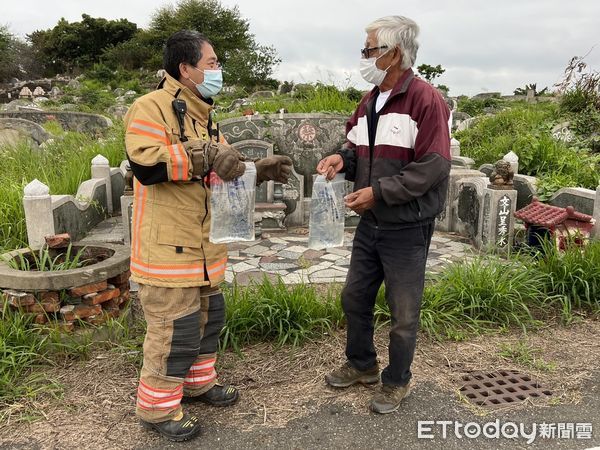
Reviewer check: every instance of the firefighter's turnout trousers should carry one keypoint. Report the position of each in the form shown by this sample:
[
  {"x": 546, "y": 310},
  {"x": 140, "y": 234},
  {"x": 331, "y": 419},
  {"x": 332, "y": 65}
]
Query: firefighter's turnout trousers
[{"x": 180, "y": 347}]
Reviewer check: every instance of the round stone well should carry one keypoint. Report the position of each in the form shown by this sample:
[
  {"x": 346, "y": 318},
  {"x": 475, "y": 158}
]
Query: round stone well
[{"x": 92, "y": 293}]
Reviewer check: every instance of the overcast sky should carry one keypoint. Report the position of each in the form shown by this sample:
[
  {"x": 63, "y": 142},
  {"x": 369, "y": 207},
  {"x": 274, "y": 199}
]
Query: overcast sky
[{"x": 484, "y": 46}]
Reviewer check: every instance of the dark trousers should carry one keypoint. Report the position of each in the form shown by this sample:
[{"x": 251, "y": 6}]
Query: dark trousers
[{"x": 396, "y": 257}]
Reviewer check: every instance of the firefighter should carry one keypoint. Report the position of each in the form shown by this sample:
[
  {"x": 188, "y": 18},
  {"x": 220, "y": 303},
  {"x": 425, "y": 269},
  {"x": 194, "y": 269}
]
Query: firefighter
[{"x": 171, "y": 146}]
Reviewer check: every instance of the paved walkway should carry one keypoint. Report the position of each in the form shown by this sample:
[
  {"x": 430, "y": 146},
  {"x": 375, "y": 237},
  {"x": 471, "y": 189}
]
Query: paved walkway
[{"x": 286, "y": 254}]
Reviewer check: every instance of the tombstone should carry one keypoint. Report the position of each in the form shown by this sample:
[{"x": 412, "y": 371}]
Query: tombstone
[
  {"x": 487, "y": 169},
  {"x": 469, "y": 207},
  {"x": 118, "y": 111},
  {"x": 55, "y": 92},
  {"x": 262, "y": 94},
  {"x": 39, "y": 91},
  {"x": 596, "y": 230},
  {"x": 74, "y": 84},
  {"x": 562, "y": 132},
  {"x": 526, "y": 188},
  {"x": 463, "y": 162},
  {"x": 497, "y": 219},
  {"x": 579, "y": 198},
  {"x": 446, "y": 221},
  {"x": 293, "y": 197},
  {"x": 25, "y": 93}
]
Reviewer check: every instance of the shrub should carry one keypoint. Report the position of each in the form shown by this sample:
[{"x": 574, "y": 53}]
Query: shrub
[
  {"x": 286, "y": 314},
  {"x": 572, "y": 277}
]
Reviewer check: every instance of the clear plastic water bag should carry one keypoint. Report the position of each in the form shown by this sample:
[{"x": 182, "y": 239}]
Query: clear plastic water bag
[
  {"x": 232, "y": 207},
  {"x": 326, "y": 225}
]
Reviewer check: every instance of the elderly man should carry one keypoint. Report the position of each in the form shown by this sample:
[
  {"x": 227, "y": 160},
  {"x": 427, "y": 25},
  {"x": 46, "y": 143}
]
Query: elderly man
[
  {"x": 398, "y": 155},
  {"x": 172, "y": 146}
]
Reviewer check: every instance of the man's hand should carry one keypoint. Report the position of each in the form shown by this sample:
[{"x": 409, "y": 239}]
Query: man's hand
[
  {"x": 222, "y": 158},
  {"x": 360, "y": 200},
  {"x": 330, "y": 166},
  {"x": 277, "y": 168}
]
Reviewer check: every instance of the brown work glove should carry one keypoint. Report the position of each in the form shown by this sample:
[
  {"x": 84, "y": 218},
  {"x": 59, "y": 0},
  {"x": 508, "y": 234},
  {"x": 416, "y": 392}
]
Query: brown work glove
[
  {"x": 222, "y": 158},
  {"x": 277, "y": 168}
]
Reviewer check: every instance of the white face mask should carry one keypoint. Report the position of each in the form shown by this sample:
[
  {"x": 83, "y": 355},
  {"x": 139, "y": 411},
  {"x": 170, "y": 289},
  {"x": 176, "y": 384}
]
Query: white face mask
[{"x": 370, "y": 72}]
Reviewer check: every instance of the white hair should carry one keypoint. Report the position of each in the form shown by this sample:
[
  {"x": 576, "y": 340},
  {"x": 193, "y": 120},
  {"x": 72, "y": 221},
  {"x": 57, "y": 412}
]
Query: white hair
[{"x": 397, "y": 31}]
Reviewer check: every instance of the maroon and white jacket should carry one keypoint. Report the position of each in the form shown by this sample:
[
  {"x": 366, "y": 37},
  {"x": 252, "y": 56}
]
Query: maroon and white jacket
[{"x": 408, "y": 162}]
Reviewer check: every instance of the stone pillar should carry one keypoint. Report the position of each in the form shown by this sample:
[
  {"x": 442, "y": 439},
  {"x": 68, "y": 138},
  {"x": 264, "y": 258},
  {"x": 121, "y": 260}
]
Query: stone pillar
[
  {"x": 127, "y": 203},
  {"x": 101, "y": 169},
  {"x": 596, "y": 229},
  {"x": 497, "y": 219},
  {"x": 512, "y": 158},
  {"x": 454, "y": 147},
  {"x": 530, "y": 96},
  {"x": 126, "y": 216},
  {"x": 39, "y": 219}
]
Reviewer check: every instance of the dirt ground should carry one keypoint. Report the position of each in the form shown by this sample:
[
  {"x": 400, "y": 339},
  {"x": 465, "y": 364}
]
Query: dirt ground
[{"x": 278, "y": 385}]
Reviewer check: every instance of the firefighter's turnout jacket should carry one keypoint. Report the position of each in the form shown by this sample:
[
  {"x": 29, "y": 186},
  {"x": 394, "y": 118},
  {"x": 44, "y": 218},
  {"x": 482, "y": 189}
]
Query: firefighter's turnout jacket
[
  {"x": 171, "y": 257},
  {"x": 171, "y": 216}
]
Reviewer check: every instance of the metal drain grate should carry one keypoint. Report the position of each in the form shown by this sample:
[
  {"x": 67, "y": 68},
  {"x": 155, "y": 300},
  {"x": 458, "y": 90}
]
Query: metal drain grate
[{"x": 501, "y": 388}]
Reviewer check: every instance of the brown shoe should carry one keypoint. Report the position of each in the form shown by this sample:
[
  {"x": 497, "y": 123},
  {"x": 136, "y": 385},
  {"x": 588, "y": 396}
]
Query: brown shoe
[
  {"x": 388, "y": 399},
  {"x": 347, "y": 376}
]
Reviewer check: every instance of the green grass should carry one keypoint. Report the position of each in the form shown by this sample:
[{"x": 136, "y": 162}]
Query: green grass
[
  {"x": 63, "y": 165},
  {"x": 273, "y": 311},
  {"x": 47, "y": 260},
  {"x": 22, "y": 349},
  {"x": 526, "y": 130},
  {"x": 572, "y": 277},
  {"x": 526, "y": 355},
  {"x": 319, "y": 98},
  {"x": 485, "y": 294}
]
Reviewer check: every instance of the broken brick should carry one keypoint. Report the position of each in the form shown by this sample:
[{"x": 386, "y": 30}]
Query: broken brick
[
  {"x": 58, "y": 240},
  {"x": 47, "y": 296},
  {"x": 113, "y": 303},
  {"x": 120, "y": 279},
  {"x": 73, "y": 312},
  {"x": 88, "y": 289},
  {"x": 51, "y": 304},
  {"x": 66, "y": 326},
  {"x": 101, "y": 297},
  {"x": 36, "y": 308},
  {"x": 19, "y": 299},
  {"x": 40, "y": 319}
]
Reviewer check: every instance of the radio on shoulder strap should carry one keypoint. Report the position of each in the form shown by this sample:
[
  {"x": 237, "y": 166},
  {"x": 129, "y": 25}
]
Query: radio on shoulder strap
[{"x": 180, "y": 109}]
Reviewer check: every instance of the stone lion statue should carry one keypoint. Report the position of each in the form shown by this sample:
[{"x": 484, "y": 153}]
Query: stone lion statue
[{"x": 502, "y": 175}]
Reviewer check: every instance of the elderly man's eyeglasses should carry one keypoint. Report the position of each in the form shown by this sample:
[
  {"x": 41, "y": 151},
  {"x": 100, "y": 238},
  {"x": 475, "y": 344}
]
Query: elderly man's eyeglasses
[{"x": 365, "y": 52}]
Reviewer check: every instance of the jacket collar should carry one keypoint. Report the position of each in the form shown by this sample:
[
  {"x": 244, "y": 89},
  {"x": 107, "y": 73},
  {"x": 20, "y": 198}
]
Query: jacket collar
[
  {"x": 400, "y": 87},
  {"x": 197, "y": 107}
]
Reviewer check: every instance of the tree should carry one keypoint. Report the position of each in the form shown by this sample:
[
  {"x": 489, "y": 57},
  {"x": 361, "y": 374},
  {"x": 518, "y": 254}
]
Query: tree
[
  {"x": 430, "y": 73},
  {"x": 78, "y": 45},
  {"x": 245, "y": 62},
  {"x": 16, "y": 59}
]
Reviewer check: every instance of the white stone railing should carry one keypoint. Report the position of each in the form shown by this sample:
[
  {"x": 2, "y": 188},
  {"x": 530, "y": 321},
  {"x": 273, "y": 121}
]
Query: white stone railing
[{"x": 47, "y": 214}]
